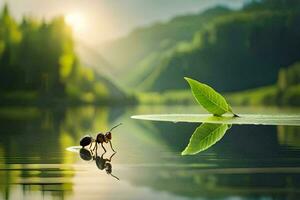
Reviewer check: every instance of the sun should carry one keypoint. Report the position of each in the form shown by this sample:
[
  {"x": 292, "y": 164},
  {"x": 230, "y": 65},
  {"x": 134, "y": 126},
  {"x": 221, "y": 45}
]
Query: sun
[{"x": 76, "y": 21}]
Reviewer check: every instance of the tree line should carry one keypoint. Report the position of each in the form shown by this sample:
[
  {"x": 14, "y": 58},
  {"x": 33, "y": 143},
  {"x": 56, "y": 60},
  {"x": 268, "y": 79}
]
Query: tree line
[{"x": 37, "y": 57}]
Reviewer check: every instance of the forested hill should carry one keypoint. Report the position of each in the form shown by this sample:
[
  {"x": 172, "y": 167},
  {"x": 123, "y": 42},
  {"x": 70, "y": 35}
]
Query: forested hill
[
  {"x": 240, "y": 51},
  {"x": 38, "y": 63},
  {"x": 142, "y": 47},
  {"x": 230, "y": 50}
]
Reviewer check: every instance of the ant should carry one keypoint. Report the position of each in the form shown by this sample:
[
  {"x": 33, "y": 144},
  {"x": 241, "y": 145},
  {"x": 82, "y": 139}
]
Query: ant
[
  {"x": 101, "y": 138},
  {"x": 102, "y": 163}
]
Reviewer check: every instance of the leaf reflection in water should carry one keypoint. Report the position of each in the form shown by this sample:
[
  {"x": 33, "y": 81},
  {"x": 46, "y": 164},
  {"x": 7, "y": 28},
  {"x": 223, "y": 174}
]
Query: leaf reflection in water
[{"x": 204, "y": 137}]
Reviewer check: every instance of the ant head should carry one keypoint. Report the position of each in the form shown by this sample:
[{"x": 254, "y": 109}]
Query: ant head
[
  {"x": 108, "y": 135},
  {"x": 85, "y": 154},
  {"x": 100, "y": 138}
]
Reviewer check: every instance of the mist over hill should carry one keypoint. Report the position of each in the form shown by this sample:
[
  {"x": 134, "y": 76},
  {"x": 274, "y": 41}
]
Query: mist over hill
[
  {"x": 141, "y": 50},
  {"x": 230, "y": 50}
]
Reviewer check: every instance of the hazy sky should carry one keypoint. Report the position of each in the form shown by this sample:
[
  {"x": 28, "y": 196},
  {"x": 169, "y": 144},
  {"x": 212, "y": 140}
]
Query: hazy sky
[{"x": 100, "y": 20}]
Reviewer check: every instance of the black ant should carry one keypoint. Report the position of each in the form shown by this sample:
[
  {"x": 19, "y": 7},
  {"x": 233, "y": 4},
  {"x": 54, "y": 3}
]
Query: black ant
[{"x": 100, "y": 138}]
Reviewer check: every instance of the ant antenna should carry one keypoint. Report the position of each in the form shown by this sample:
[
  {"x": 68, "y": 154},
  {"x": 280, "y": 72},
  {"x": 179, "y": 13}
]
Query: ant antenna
[
  {"x": 115, "y": 127},
  {"x": 114, "y": 176}
]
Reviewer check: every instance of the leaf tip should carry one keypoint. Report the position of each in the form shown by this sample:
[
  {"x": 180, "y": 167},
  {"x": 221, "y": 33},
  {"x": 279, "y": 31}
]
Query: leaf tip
[
  {"x": 187, "y": 79},
  {"x": 134, "y": 117},
  {"x": 190, "y": 81},
  {"x": 184, "y": 153}
]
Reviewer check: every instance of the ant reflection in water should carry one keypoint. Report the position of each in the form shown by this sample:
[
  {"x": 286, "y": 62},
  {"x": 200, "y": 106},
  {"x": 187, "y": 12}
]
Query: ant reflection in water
[
  {"x": 101, "y": 162},
  {"x": 100, "y": 139}
]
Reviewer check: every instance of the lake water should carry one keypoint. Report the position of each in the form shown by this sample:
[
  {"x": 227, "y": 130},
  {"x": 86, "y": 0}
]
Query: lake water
[{"x": 250, "y": 162}]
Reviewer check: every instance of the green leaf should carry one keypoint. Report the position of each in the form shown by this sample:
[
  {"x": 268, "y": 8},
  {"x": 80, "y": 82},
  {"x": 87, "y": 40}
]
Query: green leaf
[
  {"x": 204, "y": 137},
  {"x": 211, "y": 100}
]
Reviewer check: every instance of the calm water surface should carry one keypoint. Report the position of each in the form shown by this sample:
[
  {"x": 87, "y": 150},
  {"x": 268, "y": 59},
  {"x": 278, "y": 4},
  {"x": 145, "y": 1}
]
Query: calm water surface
[{"x": 250, "y": 162}]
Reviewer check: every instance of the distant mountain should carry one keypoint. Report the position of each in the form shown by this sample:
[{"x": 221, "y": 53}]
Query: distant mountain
[
  {"x": 240, "y": 51},
  {"x": 230, "y": 50},
  {"x": 141, "y": 50}
]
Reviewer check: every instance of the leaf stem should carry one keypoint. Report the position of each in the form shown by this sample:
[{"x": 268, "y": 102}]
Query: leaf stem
[{"x": 235, "y": 115}]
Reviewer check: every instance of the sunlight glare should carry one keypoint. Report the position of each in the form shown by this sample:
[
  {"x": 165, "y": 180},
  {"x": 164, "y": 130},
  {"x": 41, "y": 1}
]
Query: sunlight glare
[{"x": 76, "y": 21}]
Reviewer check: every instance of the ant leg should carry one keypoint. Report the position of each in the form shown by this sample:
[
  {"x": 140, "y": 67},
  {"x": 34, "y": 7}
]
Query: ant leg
[
  {"x": 111, "y": 146},
  {"x": 96, "y": 152},
  {"x": 103, "y": 155},
  {"x": 95, "y": 146},
  {"x": 103, "y": 147},
  {"x": 114, "y": 176},
  {"x": 111, "y": 157},
  {"x": 92, "y": 153}
]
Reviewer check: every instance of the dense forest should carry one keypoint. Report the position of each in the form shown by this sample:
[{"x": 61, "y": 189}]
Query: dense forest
[
  {"x": 241, "y": 51},
  {"x": 38, "y": 63},
  {"x": 230, "y": 50}
]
